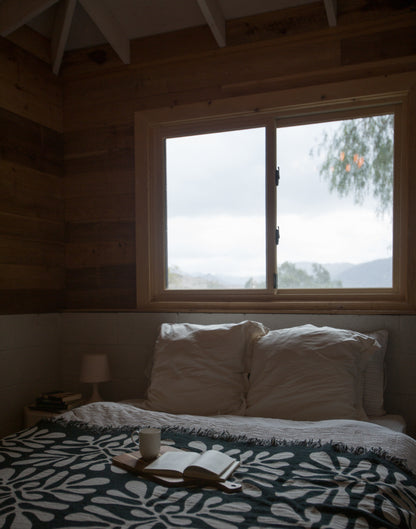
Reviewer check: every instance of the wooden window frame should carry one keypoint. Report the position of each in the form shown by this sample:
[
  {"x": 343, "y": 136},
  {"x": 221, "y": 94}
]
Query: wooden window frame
[{"x": 347, "y": 99}]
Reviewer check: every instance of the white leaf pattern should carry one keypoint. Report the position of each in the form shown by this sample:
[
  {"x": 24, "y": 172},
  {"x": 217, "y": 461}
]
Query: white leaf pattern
[{"x": 50, "y": 478}]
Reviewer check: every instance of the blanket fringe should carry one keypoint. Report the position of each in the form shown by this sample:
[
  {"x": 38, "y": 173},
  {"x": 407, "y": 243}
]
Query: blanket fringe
[
  {"x": 279, "y": 442},
  {"x": 242, "y": 438}
]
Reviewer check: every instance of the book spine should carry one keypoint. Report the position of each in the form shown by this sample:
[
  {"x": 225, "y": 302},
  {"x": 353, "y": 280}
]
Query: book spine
[
  {"x": 60, "y": 397},
  {"x": 47, "y": 406}
]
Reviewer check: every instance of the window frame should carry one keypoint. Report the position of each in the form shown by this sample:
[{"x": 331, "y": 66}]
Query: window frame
[
  {"x": 236, "y": 124},
  {"x": 308, "y": 105}
]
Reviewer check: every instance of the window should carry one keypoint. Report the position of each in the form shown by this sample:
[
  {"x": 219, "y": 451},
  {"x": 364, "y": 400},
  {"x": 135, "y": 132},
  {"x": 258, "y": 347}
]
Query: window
[
  {"x": 335, "y": 203},
  {"x": 215, "y": 202},
  {"x": 289, "y": 208}
]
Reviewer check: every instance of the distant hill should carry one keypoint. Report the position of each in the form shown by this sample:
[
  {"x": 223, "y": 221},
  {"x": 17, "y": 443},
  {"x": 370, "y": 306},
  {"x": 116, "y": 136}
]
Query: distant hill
[
  {"x": 334, "y": 269},
  {"x": 373, "y": 274}
]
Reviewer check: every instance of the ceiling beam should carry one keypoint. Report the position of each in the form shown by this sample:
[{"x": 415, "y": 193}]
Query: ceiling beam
[
  {"x": 331, "y": 11},
  {"x": 215, "y": 19},
  {"x": 61, "y": 26},
  {"x": 15, "y": 13},
  {"x": 109, "y": 26}
]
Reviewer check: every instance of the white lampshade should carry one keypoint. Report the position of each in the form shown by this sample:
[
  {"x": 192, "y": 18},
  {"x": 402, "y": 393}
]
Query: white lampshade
[{"x": 95, "y": 369}]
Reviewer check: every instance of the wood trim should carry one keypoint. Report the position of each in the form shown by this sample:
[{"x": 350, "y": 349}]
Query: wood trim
[
  {"x": 32, "y": 42},
  {"x": 319, "y": 97},
  {"x": 271, "y": 204},
  {"x": 149, "y": 128},
  {"x": 331, "y": 8},
  {"x": 14, "y": 14},
  {"x": 62, "y": 26},
  {"x": 401, "y": 268},
  {"x": 215, "y": 19},
  {"x": 109, "y": 26},
  {"x": 409, "y": 194}
]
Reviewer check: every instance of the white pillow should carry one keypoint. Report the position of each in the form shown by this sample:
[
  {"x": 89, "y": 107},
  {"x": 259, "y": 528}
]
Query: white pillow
[
  {"x": 374, "y": 380},
  {"x": 202, "y": 369},
  {"x": 309, "y": 373}
]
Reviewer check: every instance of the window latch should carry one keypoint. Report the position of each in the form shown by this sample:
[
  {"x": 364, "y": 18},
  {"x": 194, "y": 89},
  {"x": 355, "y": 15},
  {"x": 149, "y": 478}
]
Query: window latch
[
  {"x": 277, "y": 235},
  {"x": 277, "y": 176}
]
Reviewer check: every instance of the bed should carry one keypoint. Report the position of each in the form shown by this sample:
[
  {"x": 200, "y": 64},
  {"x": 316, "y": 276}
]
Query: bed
[{"x": 346, "y": 471}]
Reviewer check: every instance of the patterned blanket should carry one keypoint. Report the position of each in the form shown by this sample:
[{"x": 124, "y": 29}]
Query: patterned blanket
[{"x": 59, "y": 475}]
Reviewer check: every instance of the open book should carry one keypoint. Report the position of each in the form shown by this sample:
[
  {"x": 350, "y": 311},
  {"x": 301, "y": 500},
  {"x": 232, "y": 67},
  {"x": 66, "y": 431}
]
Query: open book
[{"x": 210, "y": 465}]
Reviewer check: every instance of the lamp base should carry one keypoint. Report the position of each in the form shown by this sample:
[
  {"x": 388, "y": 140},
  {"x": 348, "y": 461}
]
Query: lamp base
[{"x": 95, "y": 397}]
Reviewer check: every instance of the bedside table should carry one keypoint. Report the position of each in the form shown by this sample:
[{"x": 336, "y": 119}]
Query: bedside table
[{"x": 31, "y": 417}]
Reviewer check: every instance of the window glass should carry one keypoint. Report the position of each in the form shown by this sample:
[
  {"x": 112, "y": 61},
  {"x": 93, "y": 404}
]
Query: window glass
[
  {"x": 335, "y": 204},
  {"x": 215, "y": 201}
]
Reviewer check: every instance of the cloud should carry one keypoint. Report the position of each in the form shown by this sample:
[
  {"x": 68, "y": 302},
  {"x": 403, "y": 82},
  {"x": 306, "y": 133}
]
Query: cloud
[
  {"x": 349, "y": 235},
  {"x": 212, "y": 174},
  {"x": 218, "y": 245}
]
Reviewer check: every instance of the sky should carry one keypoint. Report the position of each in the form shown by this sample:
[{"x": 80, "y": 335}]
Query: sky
[{"x": 216, "y": 206}]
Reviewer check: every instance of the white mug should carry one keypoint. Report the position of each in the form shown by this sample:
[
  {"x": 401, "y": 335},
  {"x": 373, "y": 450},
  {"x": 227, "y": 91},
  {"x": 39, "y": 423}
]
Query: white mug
[{"x": 149, "y": 442}]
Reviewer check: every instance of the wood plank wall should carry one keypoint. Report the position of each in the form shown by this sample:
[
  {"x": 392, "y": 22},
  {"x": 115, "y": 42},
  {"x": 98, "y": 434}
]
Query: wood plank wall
[
  {"x": 273, "y": 51},
  {"x": 31, "y": 184},
  {"x": 280, "y": 50}
]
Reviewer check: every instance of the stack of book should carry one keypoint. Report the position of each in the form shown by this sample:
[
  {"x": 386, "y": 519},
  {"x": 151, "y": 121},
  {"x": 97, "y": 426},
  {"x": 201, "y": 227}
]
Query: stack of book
[{"x": 57, "y": 401}]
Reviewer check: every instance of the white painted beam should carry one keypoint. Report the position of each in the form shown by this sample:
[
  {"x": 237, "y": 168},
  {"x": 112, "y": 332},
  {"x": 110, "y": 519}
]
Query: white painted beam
[
  {"x": 331, "y": 11},
  {"x": 61, "y": 26},
  {"x": 215, "y": 19},
  {"x": 15, "y": 13},
  {"x": 109, "y": 26}
]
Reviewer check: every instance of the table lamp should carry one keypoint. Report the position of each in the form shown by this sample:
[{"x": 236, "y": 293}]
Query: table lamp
[{"x": 95, "y": 369}]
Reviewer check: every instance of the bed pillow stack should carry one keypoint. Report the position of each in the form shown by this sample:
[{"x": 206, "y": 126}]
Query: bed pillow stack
[
  {"x": 202, "y": 369},
  {"x": 304, "y": 373},
  {"x": 310, "y": 373}
]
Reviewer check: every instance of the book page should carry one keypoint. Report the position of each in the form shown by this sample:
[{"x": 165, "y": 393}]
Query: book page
[
  {"x": 172, "y": 463},
  {"x": 210, "y": 464}
]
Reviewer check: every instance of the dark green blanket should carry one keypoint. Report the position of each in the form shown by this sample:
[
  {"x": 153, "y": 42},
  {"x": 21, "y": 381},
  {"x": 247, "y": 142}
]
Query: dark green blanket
[{"x": 56, "y": 475}]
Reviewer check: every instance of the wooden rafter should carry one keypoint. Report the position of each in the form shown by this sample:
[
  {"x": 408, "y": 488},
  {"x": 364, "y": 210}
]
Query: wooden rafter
[
  {"x": 331, "y": 11},
  {"x": 109, "y": 26},
  {"x": 215, "y": 19},
  {"x": 15, "y": 13},
  {"x": 61, "y": 27}
]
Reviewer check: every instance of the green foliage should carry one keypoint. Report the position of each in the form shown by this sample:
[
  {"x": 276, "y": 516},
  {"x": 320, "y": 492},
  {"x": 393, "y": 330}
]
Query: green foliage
[
  {"x": 292, "y": 277},
  {"x": 253, "y": 283},
  {"x": 359, "y": 159}
]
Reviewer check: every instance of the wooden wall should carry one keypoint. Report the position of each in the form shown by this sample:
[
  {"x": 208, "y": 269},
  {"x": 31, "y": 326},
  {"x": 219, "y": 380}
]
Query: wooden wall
[
  {"x": 31, "y": 184},
  {"x": 269, "y": 52}
]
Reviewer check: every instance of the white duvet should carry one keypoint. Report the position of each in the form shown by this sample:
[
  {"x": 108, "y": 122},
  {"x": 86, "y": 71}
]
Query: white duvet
[{"x": 351, "y": 433}]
